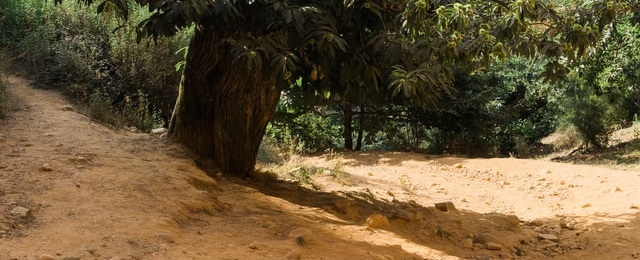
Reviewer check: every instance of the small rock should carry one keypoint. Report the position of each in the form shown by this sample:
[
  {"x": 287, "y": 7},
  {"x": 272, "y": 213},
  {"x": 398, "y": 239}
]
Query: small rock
[
  {"x": 536, "y": 222},
  {"x": 549, "y": 237},
  {"x": 503, "y": 183},
  {"x": 457, "y": 165},
  {"x": 67, "y": 108},
  {"x": 586, "y": 205},
  {"x": 302, "y": 236},
  {"x": 446, "y": 206},
  {"x": 494, "y": 246},
  {"x": 20, "y": 212},
  {"x": 569, "y": 224},
  {"x": 253, "y": 245},
  {"x": 403, "y": 214},
  {"x": 159, "y": 131},
  {"x": 377, "y": 221},
  {"x": 633, "y": 206},
  {"x": 166, "y": 237},
  {"x": 132, "y": 129},
  {"x": 46, "y": 167},
  {"x": 467, "y": 243},
  {"x": 46, "y": 257}
]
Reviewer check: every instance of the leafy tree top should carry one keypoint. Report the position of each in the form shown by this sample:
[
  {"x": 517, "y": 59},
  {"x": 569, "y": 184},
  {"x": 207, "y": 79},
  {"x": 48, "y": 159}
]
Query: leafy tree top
[{"x": 405, "y": 47}]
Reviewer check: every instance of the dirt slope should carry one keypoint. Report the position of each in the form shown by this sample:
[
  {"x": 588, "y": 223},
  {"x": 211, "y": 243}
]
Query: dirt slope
[{"x": 114, "y": 194}]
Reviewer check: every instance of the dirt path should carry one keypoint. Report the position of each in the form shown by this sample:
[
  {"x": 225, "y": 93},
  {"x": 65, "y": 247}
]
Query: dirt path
[{"x": 113, "y": 194}]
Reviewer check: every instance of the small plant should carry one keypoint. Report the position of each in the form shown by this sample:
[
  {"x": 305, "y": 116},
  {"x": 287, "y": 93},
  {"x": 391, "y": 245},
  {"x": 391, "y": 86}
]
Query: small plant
[
  {"x": 406, "y": 184},
  {"x": 337, "y": 172}
]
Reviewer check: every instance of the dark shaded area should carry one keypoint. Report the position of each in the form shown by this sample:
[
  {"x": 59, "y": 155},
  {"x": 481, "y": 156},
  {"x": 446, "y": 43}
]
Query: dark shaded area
[
  {"x": 443, "y": 229},
  {"x": 623, "y": 154}
]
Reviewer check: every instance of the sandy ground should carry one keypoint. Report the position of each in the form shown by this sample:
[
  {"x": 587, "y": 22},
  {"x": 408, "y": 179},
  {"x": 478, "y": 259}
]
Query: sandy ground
[{"x": 71, "y": 188}]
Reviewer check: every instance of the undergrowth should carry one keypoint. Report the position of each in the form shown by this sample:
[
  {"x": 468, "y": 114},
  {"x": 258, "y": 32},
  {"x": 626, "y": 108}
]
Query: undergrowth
[{"x": 95, "y": 59}]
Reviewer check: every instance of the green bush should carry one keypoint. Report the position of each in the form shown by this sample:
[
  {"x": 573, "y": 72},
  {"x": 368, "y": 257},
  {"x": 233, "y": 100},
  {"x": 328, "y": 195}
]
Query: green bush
[{"x": 96, "y": 60}]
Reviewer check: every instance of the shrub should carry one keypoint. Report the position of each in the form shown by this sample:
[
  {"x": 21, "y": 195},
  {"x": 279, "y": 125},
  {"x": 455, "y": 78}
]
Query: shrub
[{"x": 71, "y": 48}]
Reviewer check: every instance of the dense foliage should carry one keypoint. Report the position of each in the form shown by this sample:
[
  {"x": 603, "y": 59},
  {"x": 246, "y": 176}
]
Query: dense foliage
[
  {"x": 414, "y": 74},
  {"x": 95, "y": 59}
]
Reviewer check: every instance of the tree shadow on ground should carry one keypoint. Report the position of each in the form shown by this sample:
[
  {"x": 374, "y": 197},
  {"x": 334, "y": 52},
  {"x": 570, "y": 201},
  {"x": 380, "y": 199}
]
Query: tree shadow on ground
[
  {"x": 464, "y": 234},
  {"x": 624, "y": 154},
  {"x": 391, "y": 158}
]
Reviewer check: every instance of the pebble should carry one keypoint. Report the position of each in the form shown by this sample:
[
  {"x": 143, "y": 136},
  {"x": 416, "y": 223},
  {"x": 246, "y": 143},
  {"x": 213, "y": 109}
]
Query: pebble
[
  {"x": 377, "y": 221},
  {"x": 253, "y": 245},
  {"x": 494, "y": 246},
  {"x": 549, "y": 237},
  {"x": 302, "y": 236},
  {"x": 67, "y": 108},
  {"x": 569, "y": 224},
  {"x": 20, "y": 212},
  {"x": 46, "y": 167}
]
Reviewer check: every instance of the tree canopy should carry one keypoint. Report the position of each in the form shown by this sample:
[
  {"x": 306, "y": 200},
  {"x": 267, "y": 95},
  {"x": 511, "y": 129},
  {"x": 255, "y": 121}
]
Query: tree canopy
[{"x": 245, "y": 51}]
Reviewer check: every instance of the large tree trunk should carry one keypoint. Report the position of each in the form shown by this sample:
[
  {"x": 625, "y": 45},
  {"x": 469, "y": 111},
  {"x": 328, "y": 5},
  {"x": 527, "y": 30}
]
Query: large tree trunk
[{"x": 223, "y": 108}]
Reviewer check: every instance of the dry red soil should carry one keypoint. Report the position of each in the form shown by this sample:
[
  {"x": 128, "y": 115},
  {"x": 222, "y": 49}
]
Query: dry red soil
[{"x": 71, "y": 188}]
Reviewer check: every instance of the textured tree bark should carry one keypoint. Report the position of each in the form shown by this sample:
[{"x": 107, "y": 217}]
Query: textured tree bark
[{"x": 223, "y": 108}]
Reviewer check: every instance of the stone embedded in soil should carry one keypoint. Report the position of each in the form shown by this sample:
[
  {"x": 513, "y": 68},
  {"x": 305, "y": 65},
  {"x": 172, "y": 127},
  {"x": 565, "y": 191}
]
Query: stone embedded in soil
[
  {"x": 20, "y": 212},
  {"x": 549, "y": 237},
  {"x": 67, "y": 108},
  {"x": 569, "y": 224},
  {"x": 445, "y": 206},
  {"x": 253, "y": 245},
  {"x": 302, "y": 236},
  {"x": 494, "y": 246},
  {"x": 403, "y": 214},
  {"x": 377, "y": 221},
  {"x": 536, "y": 223},
  {"x": 467, "y": 243},
  {"x": 46, "y": 167},
  {"x": 166, "y": 237}
]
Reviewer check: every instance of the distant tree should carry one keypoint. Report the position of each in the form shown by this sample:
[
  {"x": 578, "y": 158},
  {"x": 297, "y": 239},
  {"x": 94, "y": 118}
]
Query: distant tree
[{"x": 244, "y": 52}]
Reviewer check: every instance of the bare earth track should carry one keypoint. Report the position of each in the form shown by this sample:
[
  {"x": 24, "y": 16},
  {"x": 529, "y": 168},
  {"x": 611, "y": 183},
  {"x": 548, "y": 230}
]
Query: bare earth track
[{"x": 114, "y": 194}]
